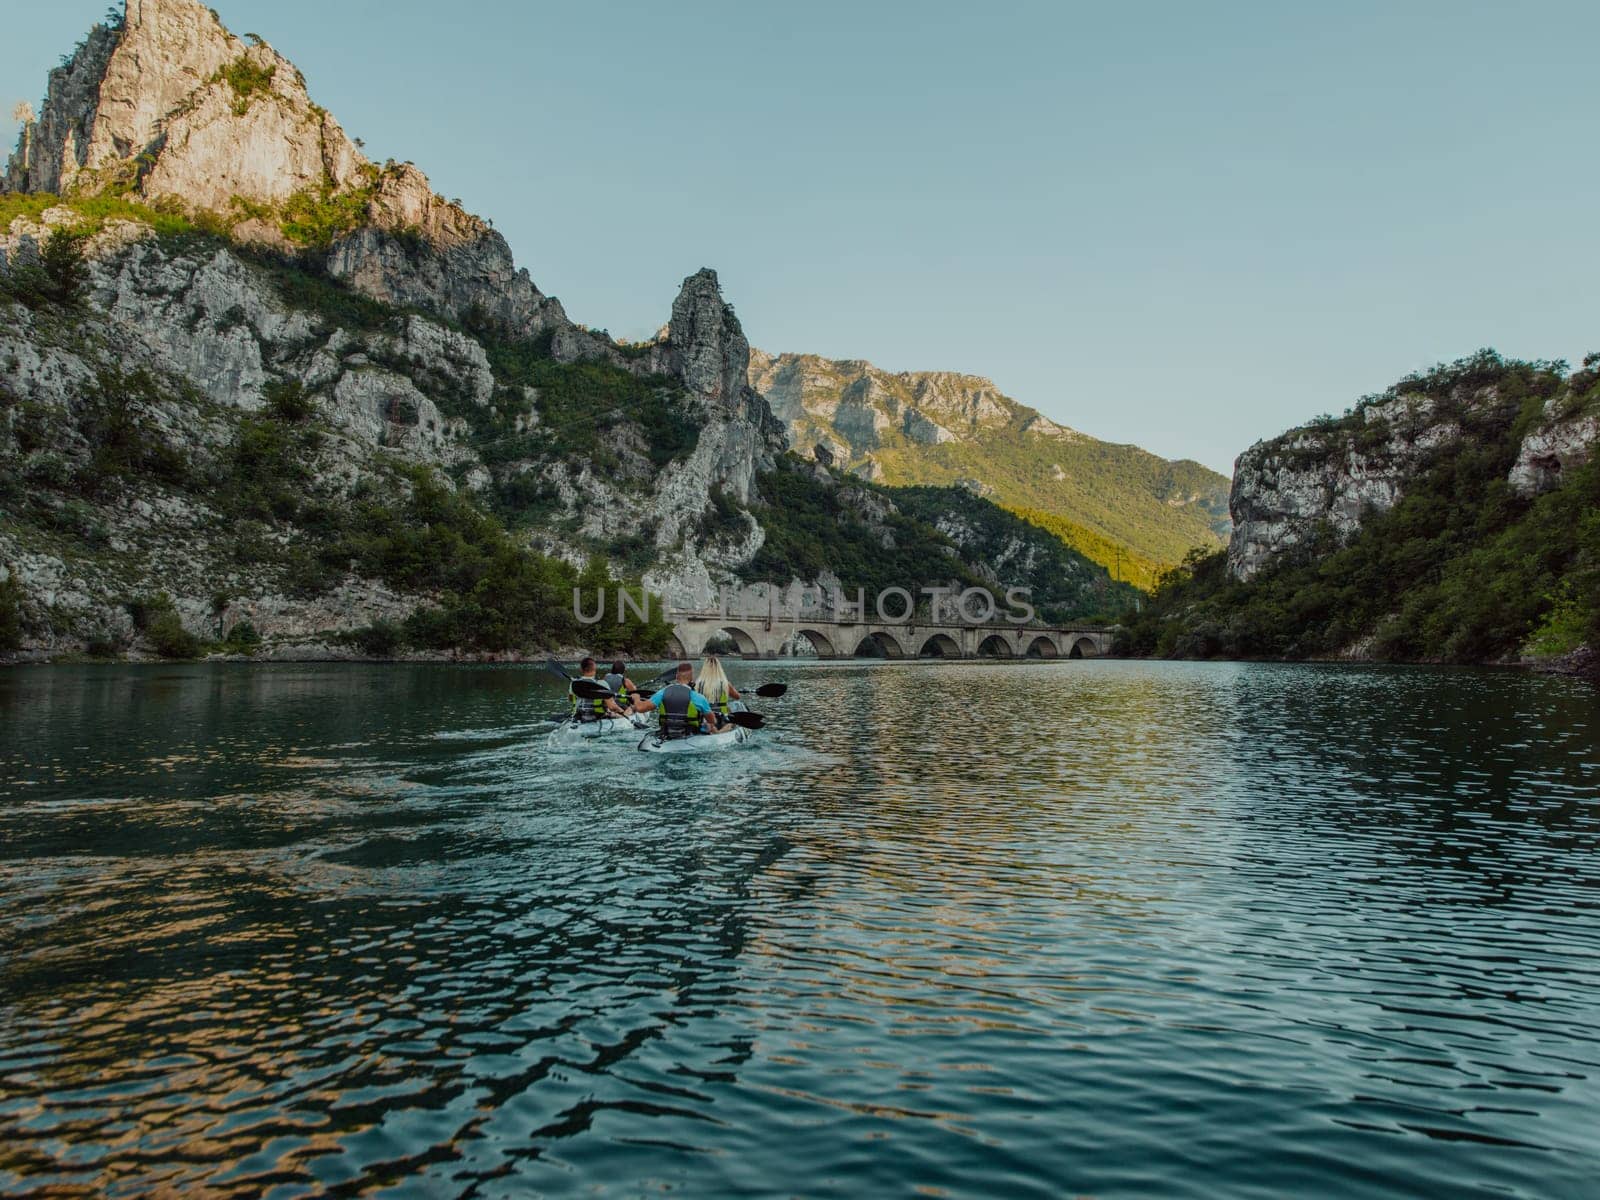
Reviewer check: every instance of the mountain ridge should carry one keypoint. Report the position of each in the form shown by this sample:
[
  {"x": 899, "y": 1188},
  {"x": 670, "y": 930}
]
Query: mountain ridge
[
  {"x": 1117, "y": 503},
  {"x": 333, "y": 413}
]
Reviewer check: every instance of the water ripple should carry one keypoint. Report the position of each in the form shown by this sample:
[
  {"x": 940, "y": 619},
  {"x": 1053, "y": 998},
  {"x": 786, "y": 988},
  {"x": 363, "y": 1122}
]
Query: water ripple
[{"x": 1196, "y": 929}]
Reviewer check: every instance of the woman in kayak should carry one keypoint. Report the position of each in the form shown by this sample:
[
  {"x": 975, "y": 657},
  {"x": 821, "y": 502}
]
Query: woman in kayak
[
  {"x": 684, "y": 711},
  {"x": 621, "y": 686},
  {"x": 713, "y": 684}
]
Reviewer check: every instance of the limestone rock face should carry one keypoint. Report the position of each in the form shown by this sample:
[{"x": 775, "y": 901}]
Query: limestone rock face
[
  {"x": 1564, "y": 438},
  {"x": 265, "y": 146},
  {"x": 107, "y": 104},
  {"x": 860, "y": 403},
  {"x": 418, "y": 250},
  {"x": 1331, "y": 475},
  {"x": 174, "y": 105},
  {"x": 52, "y": 150}
]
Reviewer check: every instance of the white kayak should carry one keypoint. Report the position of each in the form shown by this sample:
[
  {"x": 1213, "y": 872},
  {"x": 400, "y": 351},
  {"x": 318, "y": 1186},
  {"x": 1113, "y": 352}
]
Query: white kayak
[
  {"x": 609, "y": 726},
  {"x": 700, "y": 743}
]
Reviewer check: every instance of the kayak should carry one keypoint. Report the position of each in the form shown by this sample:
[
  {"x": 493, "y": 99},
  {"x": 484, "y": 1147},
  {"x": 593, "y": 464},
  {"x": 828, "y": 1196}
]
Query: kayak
[
  {"x": 701, "y": 743},
  {"x": 594, "y": 729}
]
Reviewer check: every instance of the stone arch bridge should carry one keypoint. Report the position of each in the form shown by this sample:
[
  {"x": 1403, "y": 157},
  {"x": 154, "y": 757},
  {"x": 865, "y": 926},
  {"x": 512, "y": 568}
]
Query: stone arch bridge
[{"x": 764, "y": 637}]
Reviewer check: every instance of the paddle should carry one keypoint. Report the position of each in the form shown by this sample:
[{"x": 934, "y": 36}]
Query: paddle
[
  {"x": 772, "y": 691},
  {"x": 749, "y": 720},
  {"x": 590, "y": 689},
  {"x": 551, "y": 664}
]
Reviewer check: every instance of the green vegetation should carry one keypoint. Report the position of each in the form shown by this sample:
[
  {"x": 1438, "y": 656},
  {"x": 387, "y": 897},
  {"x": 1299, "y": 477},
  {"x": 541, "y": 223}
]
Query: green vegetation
[
  {"x": 1565, "y": 627},
  {"x": 301, "y": 286},
  {"x": 156, "y": 618},
  {"x": 316, "y": 218},
  {"x": 812, "y": 528},
  {"x": 1124, "y": 564},
  {"x": 55, "y": 279},
  {"x": 578, "y": 404},
  {"x": 93, "y": 213},
  {"x": 852, "y": 528},
  {"x": 1117, "y": 495},
  {"x": 248, "y": 79},
  {"x": 381, "y": 639},
  {"x": 1100, "y": 496},
  {"x": 1064, "y": 583},
  {"x": 117, "y": 422},
  {"x": 288, "y": 401},
  {"x": 10, "y": 611},
  {"x": 1461, "y": 570}
]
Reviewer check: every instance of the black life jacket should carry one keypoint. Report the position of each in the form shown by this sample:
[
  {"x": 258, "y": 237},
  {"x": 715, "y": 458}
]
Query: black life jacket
[
  {"x": 585, "y": 711},
  {"x": 680, "y": 715},
  {"x": 617, "y": 683}
]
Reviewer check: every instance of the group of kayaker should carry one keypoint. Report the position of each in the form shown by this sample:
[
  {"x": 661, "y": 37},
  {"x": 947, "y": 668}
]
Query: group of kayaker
[{"x": 684, "y": 707}]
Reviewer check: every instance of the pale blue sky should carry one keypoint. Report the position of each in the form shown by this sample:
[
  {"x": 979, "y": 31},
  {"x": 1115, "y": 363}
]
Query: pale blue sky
[{"x": 1183, "y": 225}]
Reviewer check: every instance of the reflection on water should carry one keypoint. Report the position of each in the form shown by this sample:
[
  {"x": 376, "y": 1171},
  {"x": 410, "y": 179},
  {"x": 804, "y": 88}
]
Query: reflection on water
[{"x": 1096, "y": 928}]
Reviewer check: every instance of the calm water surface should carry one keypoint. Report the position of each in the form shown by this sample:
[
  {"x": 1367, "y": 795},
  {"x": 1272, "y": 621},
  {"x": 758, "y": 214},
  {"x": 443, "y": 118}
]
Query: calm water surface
[{"x": 1103, "y": 929}]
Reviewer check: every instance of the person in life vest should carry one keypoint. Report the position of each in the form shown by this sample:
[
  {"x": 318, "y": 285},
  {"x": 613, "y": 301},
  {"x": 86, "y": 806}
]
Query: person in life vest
[
  {"x": 684, "y": 711},
  {"x": 585, "y": 711},
  {"x": 713, "y": 684},
  {"x": 619, "y": 683}
]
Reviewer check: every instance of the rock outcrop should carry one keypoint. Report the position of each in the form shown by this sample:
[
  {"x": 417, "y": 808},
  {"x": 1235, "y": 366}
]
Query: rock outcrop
[
  {"x": 170, "y": 107},
  {"x": 1329, "y": 476},
  {"x": 1565, "y": 437},
  {"x": 1324, "y": 480}
]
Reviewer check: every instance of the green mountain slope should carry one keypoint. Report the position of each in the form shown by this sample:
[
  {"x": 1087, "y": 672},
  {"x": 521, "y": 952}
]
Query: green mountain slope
[{"x": 943, "y": 428}]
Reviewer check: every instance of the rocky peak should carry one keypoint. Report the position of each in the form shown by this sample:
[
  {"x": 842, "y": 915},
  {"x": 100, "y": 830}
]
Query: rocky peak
[
  {"x": 708, "y": 349},
  {"x": 170, "y": 104}
]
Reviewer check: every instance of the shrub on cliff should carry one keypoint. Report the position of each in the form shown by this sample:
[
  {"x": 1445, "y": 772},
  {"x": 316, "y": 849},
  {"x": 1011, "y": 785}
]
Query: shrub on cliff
[
  {"x": 156, "y": 618},
  {"x": 11, "y": 612}
]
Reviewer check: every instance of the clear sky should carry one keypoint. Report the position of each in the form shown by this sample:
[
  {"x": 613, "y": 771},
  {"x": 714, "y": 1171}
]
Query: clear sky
[{"x": 1183, "y": 225}]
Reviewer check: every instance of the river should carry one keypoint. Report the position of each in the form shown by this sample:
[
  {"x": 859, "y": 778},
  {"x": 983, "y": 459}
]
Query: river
[{"x": 1065, "y": 928}]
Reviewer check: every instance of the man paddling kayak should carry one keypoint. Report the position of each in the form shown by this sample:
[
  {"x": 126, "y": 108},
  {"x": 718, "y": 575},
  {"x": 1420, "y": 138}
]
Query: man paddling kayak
[
  {"x": 682, "y": 708},
  {"x": 586, "y": 710}
]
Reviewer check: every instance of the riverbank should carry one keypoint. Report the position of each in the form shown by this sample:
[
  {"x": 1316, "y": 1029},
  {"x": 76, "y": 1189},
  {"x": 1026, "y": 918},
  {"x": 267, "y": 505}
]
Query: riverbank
[{"x": 1582, "y": 663}]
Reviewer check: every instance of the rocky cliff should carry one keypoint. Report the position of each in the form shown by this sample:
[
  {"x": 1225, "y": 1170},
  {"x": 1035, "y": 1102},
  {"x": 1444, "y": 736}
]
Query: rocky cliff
[
  {"x": 243, "y": 368},
  {"x": 1120, "y": 505},
  {"x": 1323, "y": 480},
  {"x": 1454, "y": 517}
]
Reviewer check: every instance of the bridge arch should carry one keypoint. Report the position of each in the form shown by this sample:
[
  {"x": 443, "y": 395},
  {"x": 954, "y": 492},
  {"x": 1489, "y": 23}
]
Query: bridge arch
[
  {"x": 940, "y": 645},
  {"x": 995, "y": 646},
  {"x": 879, "y": 643},
  {"x": 675, "y": 648},
  {"x": 820, "y": 642},
  {"x": 1043, "y": 647},
  {"x": 745, "y": 643},
  {"x": 1084, "y": 648}
]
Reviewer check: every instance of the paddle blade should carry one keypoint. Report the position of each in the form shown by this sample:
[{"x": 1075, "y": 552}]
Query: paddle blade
[
  {"x": 588, "y": 689},
  {"x": 556, "y": 668},
  {"x": 772, "y": 691},
  {"x": 748, "y": 720}
]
